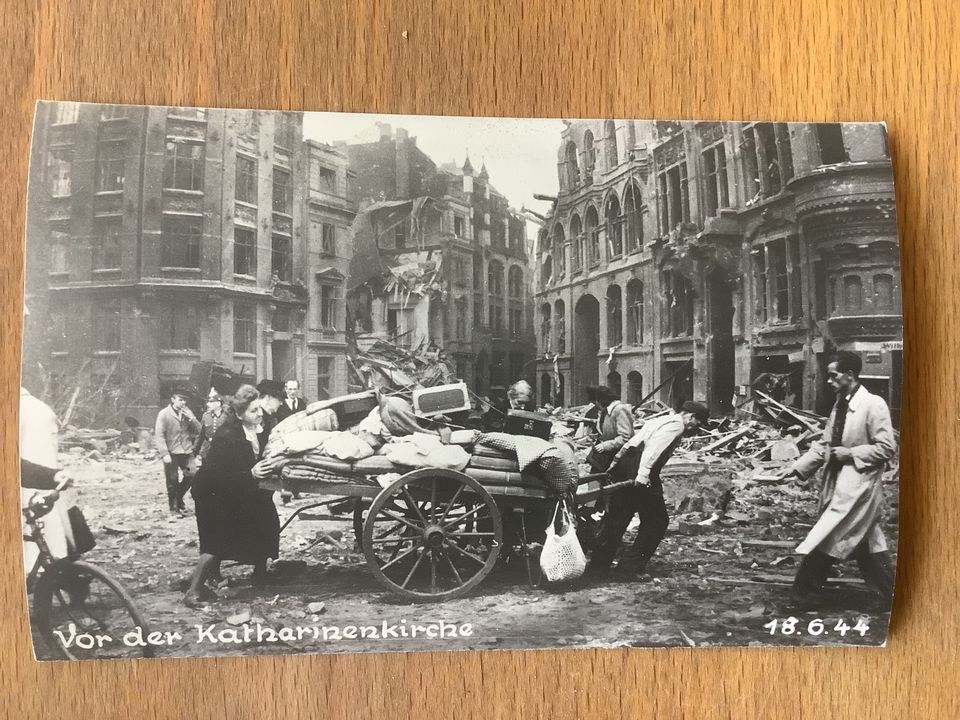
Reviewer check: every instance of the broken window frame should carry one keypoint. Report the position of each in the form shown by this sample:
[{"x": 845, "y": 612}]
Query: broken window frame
[
  {"x": 330, "y": 294},
  {"x": 614, "y": 306},
  {"x": 281, "y": 257},
  {"x": 244, "y": 250},
  {"x": 634, "y": 217},
  {"x": 182, "y": 240},
  {"x": 328, "y": 239},
  {"x": 635, "y": 312},
  {"x": 611, "y": 150},
  {"x": 323, "y": 178},
  {"x": 560, "y": 322},
  {"x": 244, "y": 328},
  {"x": 106, "y": 248},
  {"x": 247, "y": 180},
  {"x": 59, "y": 169},
  {"x": 616, "y": 222},
  {"x": 674, "y": 198},
  {"x": 716, "y": 180},
  {"x": 752, "y": 184},
  {"x": 282, "y": 190},
  {"x": 111, "y": 166},
  {"x": 183, "y": 162},
  {"x": 678, "y": 296}
]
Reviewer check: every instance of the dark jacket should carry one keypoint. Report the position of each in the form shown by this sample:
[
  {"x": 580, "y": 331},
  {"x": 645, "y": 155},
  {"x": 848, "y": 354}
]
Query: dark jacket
[
  {"x": 209, "y": 424},
  {"x": 236, "y": 519},
  {"x": 284, "y": 411}
]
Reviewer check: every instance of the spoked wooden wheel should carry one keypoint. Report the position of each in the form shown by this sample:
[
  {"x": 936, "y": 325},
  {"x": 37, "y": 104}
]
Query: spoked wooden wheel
[{"x": 433, "y": 534}]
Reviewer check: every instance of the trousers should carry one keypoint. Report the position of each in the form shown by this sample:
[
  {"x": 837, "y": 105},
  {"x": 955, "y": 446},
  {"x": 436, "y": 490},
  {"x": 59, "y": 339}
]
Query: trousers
[
  {"x": 648, "y": 503},
  {"x": 177, "y": 488},
  {"x": 876, "y": 568}
]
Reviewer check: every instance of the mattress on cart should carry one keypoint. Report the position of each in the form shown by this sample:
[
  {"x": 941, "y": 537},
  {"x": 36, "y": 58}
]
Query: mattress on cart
[{"x": 487, "y": 466}]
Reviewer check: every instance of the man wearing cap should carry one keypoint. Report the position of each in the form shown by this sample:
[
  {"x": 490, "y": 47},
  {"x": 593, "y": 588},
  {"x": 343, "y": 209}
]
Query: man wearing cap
[
  {"x": 175, "y": 435},
  {"x": 639, "y": 461},
  {"x": 853, "y": 452}
]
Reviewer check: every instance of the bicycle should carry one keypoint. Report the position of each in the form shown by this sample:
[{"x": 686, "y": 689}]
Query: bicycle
[{"x": 80, "y": 611}]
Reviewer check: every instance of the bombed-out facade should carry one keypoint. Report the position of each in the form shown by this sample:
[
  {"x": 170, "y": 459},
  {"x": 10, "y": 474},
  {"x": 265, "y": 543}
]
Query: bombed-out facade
[
  {"x": 440, "y": 260},
  {"x": 160, "y": 237},
  {"x": 691, "y": 260}
]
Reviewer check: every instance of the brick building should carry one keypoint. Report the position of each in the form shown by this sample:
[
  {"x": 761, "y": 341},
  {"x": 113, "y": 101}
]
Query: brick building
[
  {"x": 451, "y": 261},
  {"x": 708, "y": 254},
  {"x": 158, "y": 237}
]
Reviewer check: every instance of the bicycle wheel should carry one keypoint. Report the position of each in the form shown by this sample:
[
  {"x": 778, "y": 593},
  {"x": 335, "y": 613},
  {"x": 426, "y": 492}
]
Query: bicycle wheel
[{"x": 82, "y": 613}]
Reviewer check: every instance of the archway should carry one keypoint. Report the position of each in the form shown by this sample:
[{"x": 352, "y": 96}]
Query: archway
[
  {"x": 546, "y": 389},
  {"x": 614, "y": 383},
  {"x": 586, "y": 345},
  {"x": 634, "y": 387}
]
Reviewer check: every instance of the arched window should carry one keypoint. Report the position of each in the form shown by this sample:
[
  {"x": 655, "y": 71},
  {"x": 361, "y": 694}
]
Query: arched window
[
  {"x": 614, "y": 226},
  {"x": 589, "y": 156},
  {"x": 883, "y": 291},
  {"x": 592, "y": 232},
  {"x": 515, "y": 295},
  {"x": 546, "y": 329},
  {"x": 633, "y": 218},
  {"x": 610, "y": 144},
  {"x": 515, "y": 283},
  {"x": 614, "y": 316},
  {"x": 635, "y": 312},
  {"x": 634, "y": 387},
  {"x": 546, "y": 272},
  {"x": 560, "y": 320},
  {"x": 546, "y": 389},
  {"x": 559, "y": 250},
  {"x": 852, "y": 294},
  {"x": 571, "y": 164},
  {"x": 576, "y": 235},
  {"x": 614, "y": 383},
  {"x": 495, "y": 297}
]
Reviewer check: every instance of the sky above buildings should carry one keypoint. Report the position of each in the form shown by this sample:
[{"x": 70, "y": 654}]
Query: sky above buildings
[{"x": 520, "y": 153}]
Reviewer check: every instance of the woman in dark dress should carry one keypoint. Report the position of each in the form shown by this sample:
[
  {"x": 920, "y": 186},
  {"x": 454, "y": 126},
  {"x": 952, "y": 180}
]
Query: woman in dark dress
[{"x": 235, "y": 518}]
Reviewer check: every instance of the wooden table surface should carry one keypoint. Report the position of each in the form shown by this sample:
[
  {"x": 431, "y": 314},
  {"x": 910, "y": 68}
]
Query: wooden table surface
[{"x": 894, "y": 60}]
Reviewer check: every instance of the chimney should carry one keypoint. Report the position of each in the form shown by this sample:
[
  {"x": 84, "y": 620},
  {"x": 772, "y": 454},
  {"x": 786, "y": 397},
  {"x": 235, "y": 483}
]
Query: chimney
[{"x": 386, "y": 131}]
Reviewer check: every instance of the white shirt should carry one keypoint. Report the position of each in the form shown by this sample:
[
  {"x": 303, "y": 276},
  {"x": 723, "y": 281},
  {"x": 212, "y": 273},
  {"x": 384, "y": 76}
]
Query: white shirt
[{"x": 39, "y": 431}]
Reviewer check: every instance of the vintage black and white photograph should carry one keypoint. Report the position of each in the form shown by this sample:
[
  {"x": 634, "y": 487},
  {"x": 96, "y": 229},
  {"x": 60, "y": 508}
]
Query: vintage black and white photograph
[{"x": 305, "y": 382}]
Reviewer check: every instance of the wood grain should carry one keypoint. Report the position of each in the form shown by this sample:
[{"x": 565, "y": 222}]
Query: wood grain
[{"x": 895, "y": 60}]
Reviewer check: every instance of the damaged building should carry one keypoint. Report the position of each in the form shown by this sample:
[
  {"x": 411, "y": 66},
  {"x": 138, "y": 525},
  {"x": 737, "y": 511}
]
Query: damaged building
[
  {"x": 695, "y": 260},
  {"x": 160, "y": 237},
  {"x": 440, "y": 262}
]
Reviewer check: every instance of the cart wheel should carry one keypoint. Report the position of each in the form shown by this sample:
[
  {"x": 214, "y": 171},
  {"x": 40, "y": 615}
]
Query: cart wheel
[{"x": 433, "y": 534}]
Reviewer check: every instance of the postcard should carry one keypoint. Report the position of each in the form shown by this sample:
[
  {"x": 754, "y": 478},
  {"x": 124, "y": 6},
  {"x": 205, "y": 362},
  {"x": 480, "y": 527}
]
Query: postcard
[{"x": 307, "y": 382}]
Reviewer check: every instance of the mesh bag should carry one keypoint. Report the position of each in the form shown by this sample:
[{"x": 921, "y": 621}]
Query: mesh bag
[{"x": 562, "y": 558}]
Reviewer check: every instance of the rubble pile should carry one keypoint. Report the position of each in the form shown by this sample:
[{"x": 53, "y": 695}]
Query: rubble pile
[{"x": 376, "y": 362}]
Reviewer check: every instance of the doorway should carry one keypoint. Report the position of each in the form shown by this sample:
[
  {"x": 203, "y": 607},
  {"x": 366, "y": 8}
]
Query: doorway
[
  {"x": 586, "y": 345},
  {"x": 722, "y": 378}
]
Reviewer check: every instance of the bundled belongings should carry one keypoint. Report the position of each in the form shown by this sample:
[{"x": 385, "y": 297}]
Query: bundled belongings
[
  {"x": 422, "y": 450},
  {"x": 553, "y": 462}
]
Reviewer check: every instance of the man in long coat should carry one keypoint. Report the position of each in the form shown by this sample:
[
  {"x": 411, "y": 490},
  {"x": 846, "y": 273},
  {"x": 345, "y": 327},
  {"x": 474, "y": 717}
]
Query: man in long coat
[{"x": 857, "y": 443}]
